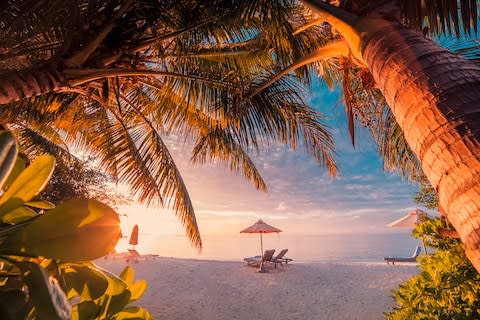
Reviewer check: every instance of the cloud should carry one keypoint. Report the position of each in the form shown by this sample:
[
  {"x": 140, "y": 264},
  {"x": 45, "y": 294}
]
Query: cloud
[{"x": 281, "y": 206}]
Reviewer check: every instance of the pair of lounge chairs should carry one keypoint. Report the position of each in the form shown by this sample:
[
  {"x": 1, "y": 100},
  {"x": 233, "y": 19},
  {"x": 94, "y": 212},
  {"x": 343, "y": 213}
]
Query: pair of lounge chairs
[
  {"x": 134, "y": 256},
  {"x": 268, "y": 257},
  {"x": 413, "y": 258}
]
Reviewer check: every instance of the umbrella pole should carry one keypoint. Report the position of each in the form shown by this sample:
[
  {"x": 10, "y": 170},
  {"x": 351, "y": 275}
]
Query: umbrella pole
[
  {"x": 262, "y": 268},
  {"x": 261, "y": 245}
]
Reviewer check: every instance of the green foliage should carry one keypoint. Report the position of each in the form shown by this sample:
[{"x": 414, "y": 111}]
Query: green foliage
[
  {"x": 74, "y": 178},
  {"x": 103, "y": 295},
  {"x": 427, "y": 196},
  {"x": 44, "y": 250},
  {"x": 448, "y": 286},
  {"x": 27, "y": 185}
]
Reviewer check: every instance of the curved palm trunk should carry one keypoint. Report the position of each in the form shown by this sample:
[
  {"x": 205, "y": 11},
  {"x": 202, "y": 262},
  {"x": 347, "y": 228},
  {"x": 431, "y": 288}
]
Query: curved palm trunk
[
  {"x": 21, "y": 85},
  {"x": 435, "y": 97}
]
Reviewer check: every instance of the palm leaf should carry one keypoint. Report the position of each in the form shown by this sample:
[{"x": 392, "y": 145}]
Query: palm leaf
[
  {"x": 441, "y": 17},
  {"x": 220, "y": 144},
  {"x": 145, "y": 164}
]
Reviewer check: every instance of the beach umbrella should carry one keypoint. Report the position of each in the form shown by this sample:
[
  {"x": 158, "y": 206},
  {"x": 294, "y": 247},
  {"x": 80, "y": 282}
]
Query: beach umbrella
[
  {"x": 134, "y": 236},
  {"x": 261, "y": 228},
  {"x": 409, "y": 221}
]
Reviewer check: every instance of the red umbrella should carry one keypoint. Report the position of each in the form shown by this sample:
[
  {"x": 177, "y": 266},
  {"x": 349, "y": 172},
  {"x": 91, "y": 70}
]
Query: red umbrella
[
  {"x": 261, "y": 227},
  {"x": 134, "y": 236}
]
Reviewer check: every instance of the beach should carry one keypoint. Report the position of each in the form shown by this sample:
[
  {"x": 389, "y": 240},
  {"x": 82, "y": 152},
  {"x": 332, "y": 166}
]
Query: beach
[{"x": 181, "y": 289}]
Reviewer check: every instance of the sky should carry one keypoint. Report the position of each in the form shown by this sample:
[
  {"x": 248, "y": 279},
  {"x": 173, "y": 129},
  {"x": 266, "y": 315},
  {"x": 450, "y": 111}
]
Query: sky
[{"x": 302, "y": 198}]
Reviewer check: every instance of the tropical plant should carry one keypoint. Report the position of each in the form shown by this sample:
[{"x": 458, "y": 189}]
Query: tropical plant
[
  {"x": 44, "y": 249},
  {"x": 431, "y": 92},
  {"x": 115, "y": 76},
  {"x": 448, "y": 287}
]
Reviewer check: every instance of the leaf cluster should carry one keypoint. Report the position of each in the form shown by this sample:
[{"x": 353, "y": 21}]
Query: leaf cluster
[
  {"x": 43, "y": 249},
  {"x": 448, "y": 286}
]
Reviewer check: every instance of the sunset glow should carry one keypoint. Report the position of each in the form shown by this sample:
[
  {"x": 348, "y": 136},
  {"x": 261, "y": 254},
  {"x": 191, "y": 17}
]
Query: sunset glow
[{"x": 302, "y": 199}]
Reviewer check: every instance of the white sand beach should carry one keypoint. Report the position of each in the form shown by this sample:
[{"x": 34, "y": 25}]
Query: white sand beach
[{"x": 182, "y": 289}]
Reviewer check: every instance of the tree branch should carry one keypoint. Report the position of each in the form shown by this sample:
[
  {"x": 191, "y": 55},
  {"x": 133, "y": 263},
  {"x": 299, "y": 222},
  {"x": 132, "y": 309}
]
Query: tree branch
[
  {"x": 79, "y": 58},
  {"x": 308, "y": 25},
  {"x": 148, "y": 42},
  {"x": 355, "y": 29},
  {"x": 335, "y": 49},
  {"x": 448, "y": 233},
  {"x": 80, "y": 76}
]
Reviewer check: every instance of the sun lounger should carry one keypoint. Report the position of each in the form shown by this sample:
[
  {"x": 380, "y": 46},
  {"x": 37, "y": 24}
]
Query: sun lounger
[
  {"x": 280, "y": 258},
  {"x": 258, "y": 260},
  {"x": 133, "y": 255},
  {"x": 413, "y": 258}
]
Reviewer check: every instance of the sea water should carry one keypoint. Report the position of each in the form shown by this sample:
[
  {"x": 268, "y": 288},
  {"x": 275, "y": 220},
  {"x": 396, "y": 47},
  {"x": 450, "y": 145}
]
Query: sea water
[{"x": 302, "y": 248}]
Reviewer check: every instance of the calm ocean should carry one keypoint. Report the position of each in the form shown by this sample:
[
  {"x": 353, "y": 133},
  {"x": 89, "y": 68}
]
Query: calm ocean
[{"x": 311, "y": 248}]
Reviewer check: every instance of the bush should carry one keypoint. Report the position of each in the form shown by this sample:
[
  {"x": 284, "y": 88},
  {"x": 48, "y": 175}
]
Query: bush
[{"x": 448, "y": 287}]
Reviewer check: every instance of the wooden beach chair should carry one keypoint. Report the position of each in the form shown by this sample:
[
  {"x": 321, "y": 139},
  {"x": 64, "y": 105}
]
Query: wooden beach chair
[
  {"x": 279, "y": 258},
  {"x": 133, "y": 255},
  {"x": 413, "y": 258},
  {"x": 258, "y": 260}
]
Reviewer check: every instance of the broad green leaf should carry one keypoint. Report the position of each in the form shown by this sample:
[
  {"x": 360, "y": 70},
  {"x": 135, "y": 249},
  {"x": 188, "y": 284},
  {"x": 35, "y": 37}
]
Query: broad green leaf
[
  {"x": 18, "y": 215},
  {"x": 133, "y": 313},
  {"x": 15, "y": 172},
  {"x": 127, "y": 275},
  {"x": 118, "y": 303},
  {"x": 137, "y": 289},
  {"x": 28, "y": 184},
  {"x": 40, "y": 204},
  {"x": 77, "y": 230},
  {"x": 45, "y": 294},
  {"x": 85, "y": 310},
  {"x": 8, "y": 154},
  {"x": 116, "y": 285},
  {"x": 85, "y": 280}
]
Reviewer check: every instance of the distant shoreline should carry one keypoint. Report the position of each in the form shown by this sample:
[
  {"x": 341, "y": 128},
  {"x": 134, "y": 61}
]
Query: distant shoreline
[{"x": 124, "y": 255}]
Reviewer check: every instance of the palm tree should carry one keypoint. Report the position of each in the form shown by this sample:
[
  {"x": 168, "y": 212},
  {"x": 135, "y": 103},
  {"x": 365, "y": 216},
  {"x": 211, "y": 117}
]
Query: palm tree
[
  {"x": 115, "y": 76},
  {"x": 433, "y": 94}
]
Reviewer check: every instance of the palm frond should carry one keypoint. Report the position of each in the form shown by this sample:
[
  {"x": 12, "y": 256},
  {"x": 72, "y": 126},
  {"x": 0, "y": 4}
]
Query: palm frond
[
  {"x": 370, "y": 110},
  {"x": 467, "y": 47},
  {"x": 441, "y": 17},
  {"x": 37, "y": 142},
  {"x": 220, "y": 144},
  {"x": 144, "y": 163}
]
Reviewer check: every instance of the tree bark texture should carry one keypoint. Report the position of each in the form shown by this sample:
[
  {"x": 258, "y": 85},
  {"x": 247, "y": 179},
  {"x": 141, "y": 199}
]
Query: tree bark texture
[
  {"x": 435, "y": 97},
  {"x": 29, "y": 83}
]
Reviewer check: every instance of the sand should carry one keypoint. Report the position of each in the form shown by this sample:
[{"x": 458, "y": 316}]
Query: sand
[{"x": 207, "y": 290}]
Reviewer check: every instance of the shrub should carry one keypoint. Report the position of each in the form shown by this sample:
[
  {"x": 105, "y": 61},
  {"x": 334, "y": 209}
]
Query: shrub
[{"x": 448, "y": 287}]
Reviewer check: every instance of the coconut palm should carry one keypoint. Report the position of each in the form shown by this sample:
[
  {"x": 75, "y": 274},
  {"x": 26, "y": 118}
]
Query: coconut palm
[
  {"x": 433, "y": 94},
  {"x": 115, "y": 76}
]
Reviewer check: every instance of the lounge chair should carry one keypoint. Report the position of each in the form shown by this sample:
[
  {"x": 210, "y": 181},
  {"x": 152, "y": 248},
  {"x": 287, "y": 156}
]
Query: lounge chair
[
  {"x": 279, "y": 258},
  {"x": 258, "y": 260},
  {"x": 413, "y": 258},
  {"x": 133, "y": 255}
]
